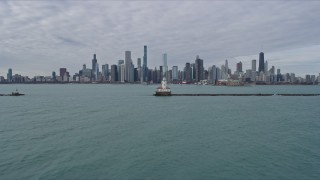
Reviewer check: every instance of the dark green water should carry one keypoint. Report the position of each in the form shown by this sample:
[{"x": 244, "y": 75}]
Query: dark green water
[{"x": 123, "y": 132}]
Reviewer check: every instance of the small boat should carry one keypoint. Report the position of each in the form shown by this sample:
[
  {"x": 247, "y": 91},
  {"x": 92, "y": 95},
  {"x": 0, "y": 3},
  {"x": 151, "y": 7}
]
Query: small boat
[{"x": 16, "y": 93}]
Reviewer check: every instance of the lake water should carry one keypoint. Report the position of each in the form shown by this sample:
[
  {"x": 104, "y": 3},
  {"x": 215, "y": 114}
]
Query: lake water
[{"x": 98, "y": 131}]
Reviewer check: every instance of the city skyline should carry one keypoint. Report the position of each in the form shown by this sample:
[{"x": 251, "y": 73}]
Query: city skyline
[
  {"x": 39, "y": 37},
  {"x": 192, "y": 72}
]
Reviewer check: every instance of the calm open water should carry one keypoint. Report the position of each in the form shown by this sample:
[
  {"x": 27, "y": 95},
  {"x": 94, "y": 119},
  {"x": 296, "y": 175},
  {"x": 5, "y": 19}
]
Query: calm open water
[{"x": 123, "y": 132}]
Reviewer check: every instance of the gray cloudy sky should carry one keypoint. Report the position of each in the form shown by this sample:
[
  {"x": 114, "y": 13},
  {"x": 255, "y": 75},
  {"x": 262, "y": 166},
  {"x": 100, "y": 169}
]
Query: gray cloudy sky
[{"x": 38, "y": 37}]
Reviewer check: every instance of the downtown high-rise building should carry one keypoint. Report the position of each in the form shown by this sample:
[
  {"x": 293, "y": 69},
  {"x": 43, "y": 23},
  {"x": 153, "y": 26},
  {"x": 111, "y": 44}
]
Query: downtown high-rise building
[
  {"x": 239, "y": 67},
  {"x": 105, "y": 71},
  {"x": 129, "y": 69},
  {"x": 53, "y": 76},
  {"x": 123, "y": 73},
  {"x": 114, "y": 73},
  {"x": 62, "y": 71},
  {"x": 138, "y": 63},
  {"x": 226, "y": 66},
  {"x": 9, "y": 75},
  {"x": 199, "y": 69},
  {"x": 120, "y": 62},
  {"x": 174, "y": 73},
  {"x": 266, "y": 67},
  {"x": 261, "y": 62},
  {"x": 94, "y": 66},
  {"x": 254, "y": 65},
  {"x": 145, "y": 65},
  {"x": 165, "y": 65},
  {"x": 188, "y": 73}
]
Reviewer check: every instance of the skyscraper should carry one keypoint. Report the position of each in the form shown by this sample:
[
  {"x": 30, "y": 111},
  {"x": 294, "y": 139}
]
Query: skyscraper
[
  {"x": 199, "y": 69},
  {"x": 226, "y": 66},
  {"x": 105, "y": 71},
  {"x": 145, "y": 58},
  {"x": 9, "y": 75},
  {"x": 123, "y": 73},
  {"x": 129, "y": 69},
  {"x": 139, "y": 63},
  {"x": 96, "y": 73},
  {"x": 144, "y": 65},
  {"x": 119, "y": 69},
  {"x": 239, "y": 66},
  {"x": 165, "y": 65},
  {"x": 174, "y": 72},
  {"x": 188, "y": 73},
  {"x": 54, "y": 78},
  {"x": 254, "y": 65},
  {"x": 266, "y": 66},
  {"x": 114, "y": 73},
  {"x": 261, "y": 61},
  {"x": 214, "y": 74},
  {"x": 94, "y": 66}
]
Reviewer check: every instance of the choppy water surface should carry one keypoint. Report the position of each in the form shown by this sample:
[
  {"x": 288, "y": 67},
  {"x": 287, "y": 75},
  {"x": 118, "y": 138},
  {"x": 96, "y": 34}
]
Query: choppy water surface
[{"x": 123, "y": 132}]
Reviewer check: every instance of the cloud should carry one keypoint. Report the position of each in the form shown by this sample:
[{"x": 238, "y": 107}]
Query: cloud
[{"x": 38, "y": 37}]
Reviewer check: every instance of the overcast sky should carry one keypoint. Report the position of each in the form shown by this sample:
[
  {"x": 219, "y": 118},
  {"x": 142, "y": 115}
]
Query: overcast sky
[{"x": 38, "y": 37}]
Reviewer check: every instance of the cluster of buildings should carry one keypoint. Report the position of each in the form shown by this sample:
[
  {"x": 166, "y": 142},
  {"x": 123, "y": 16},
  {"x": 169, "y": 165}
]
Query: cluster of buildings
[{"x": 192, "y": 73}]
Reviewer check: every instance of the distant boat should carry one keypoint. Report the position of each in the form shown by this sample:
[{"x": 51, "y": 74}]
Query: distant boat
[{"x": 16, "y": 93}]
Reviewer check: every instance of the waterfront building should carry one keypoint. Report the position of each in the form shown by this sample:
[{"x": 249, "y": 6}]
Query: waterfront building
[
  {"x": 239, "y": 67},
  {"x": 193, "y": 67},
  {"x": 224, "y": 73},
  {"x": 86, "y": 73},
  {"x": 212, "y": 74},
  {"x": 292, "y": 78},
  {"x": 139, "y": 71},
  {"x": 64, "y": 74},
  {"x": 266, "y": 67},
  {"x": 114, "y": 73},
  {"x": 96, "y": 72},
  {"x": 54, "y": 78},
  {"x": 169, "y": 76},
  {"x": 63, "y": 71},
  {"x": 128, "y": 68},
  {"x": 164, "y": 62},
  {"x": 261, "y": 61},
  {"x": 226, "y": 66},
  {"x": 138, "y": 62},
  {"x": 122, "y": 73},
  {"x": 272, "y": 70},
  {"x": 254, "y": 65},
  {"x": 174, "y": 73},
  {"x": 218, "y": 73},
  {"x": 105, "y": 71},
  {"x": 279, "y": 76},
  {"x": 308, "y": 79},
  {"x": 199, "y": 69},
  {"x": 119, "y": 69},
  {"x": 9, "y": 75},
  {"x": 135, "y": 75},
  {"x": 188, "y": 73},
  {"x": 161, "y": 73}
]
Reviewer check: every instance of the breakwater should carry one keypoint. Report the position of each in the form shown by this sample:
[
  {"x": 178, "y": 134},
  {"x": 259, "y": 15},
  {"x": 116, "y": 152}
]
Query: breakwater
[{"x": 258, "y": 94}]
